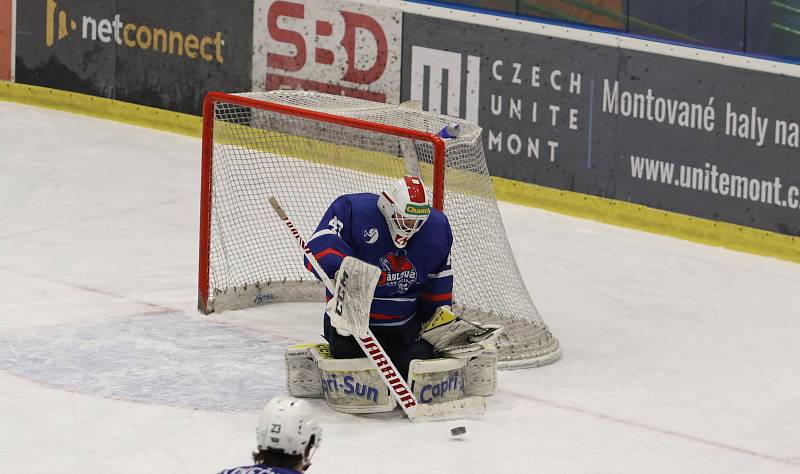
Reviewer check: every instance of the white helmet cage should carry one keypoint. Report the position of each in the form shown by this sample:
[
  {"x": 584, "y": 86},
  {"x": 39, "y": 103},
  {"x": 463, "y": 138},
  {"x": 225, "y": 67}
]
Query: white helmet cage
[
  {"x": 287, "y": 424},
  {"x": 406, "y": 205}
]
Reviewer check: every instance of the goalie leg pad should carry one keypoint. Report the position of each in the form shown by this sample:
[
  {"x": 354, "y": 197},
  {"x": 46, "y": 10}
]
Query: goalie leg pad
[
  {"x": 480, "y": 374},
  {"x": 437, "y": 380},
  {"x": 302, "y": 370},
  {"x": 347, "y": 385},
  {"x": 353, "y": 386}
]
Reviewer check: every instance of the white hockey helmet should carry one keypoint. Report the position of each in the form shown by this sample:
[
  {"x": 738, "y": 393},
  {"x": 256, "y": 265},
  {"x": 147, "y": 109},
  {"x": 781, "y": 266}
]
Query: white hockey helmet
[
  {"x": 406, "y": 206},
  {"x": 287, "y": 424}
]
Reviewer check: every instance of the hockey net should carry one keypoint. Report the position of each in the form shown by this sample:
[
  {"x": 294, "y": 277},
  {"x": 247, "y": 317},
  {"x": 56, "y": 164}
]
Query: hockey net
[{"x": 308, "y": 148}]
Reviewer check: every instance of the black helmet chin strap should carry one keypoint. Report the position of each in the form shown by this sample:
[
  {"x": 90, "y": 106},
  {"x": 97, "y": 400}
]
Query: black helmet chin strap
[{"x": 309, "y": 452}]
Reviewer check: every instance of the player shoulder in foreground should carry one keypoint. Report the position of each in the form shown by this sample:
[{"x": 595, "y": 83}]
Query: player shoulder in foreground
[{"x": 287, "y": 436}]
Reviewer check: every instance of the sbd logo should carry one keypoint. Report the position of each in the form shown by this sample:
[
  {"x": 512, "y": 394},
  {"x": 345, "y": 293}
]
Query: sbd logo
[{"x": 336, "y": 47}]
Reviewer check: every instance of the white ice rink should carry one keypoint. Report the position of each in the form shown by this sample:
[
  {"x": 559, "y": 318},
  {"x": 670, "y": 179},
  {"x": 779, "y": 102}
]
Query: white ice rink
[{"x": 677, "y": 357}]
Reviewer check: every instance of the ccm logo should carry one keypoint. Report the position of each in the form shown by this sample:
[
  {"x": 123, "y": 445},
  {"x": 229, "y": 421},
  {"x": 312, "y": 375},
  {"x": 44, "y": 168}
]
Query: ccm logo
[{"x": 340, "y": 289}]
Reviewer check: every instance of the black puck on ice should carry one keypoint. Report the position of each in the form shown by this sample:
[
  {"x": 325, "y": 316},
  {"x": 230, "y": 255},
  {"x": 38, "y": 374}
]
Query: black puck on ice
[{"x": 458, "y": 430}]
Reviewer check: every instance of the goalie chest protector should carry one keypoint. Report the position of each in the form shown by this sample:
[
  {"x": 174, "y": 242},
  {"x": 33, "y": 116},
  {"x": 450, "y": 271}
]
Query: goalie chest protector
[{"x": 353, "y": 225}]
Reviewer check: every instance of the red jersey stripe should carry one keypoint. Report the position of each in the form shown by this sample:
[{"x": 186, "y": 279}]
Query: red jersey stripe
[
  {"x": 325, "y": 252},
  {"x": 384, "y": 317},
  {"x": 329, "y": 251},
  {"x": 436, "y": 297}
]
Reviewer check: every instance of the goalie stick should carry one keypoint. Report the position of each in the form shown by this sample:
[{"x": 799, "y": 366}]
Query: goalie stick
[{"x": 375, "y": 353}]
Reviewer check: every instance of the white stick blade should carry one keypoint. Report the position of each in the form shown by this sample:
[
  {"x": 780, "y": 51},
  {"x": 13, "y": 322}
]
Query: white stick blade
[{"x": 453, "y": 410}]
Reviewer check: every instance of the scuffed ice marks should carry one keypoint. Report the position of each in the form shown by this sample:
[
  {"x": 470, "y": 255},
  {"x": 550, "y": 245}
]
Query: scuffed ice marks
[{"x": 165, "y": 358}]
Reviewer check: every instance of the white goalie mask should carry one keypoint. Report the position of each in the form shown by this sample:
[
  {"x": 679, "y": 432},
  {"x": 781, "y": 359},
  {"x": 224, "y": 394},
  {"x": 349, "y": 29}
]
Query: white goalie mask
[
  {"x": 406, "y": 206},
  {"x": 287, "y": 424}
]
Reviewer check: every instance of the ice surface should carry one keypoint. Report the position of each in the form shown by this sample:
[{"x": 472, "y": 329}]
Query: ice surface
[{"x": 678, "y": 357}]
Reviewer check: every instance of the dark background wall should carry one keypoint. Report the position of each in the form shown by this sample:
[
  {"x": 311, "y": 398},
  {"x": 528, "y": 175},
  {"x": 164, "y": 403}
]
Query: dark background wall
[
  {"x": 762, "y": 27},
  {"x": 711, "y": 23}
]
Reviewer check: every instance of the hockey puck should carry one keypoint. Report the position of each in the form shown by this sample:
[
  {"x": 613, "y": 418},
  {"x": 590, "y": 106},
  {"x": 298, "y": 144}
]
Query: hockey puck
[{"x": 458, "y": 430}]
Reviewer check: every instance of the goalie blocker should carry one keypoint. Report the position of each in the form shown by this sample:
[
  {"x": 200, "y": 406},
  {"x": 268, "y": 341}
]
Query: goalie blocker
[{"x": 354, "y": 385}]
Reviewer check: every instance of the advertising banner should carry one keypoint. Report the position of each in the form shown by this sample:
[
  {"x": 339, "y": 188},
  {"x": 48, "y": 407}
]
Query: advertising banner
[
  {"x": 161, "y": 54},
  {"x": 337, "y": 47},
  {"x": 6, "y": 39},
  {"x": 171, "y": 53},
  {"x": 667, "y": 132},
  {"x": 57, "y": 51}
]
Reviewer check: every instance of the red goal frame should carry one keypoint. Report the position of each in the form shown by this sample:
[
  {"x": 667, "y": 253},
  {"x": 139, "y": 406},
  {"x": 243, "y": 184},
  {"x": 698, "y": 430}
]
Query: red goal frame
[{"x": 209, "y": 105}]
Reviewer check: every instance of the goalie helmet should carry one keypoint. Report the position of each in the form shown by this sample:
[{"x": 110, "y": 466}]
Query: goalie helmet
[
  {"x": 406, "y": 206},
  {"x": 287, "y": 424}
]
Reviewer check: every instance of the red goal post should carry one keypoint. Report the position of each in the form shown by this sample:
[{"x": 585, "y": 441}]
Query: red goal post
[{"x": 307, "y": 148}]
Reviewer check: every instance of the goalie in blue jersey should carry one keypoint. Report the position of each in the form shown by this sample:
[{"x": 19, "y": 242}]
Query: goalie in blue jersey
[{"x": 409, "y": 241}]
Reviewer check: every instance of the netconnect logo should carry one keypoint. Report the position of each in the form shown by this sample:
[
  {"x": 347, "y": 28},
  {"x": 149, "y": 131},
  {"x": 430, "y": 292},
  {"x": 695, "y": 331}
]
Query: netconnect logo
[{"x": 159, "y": 40}]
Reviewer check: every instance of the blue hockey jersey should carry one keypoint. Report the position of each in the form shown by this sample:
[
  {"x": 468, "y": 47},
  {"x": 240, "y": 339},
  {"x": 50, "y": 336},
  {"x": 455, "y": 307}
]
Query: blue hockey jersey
[
  {"x": 414, "y": 281},
  {"x": 259, "y": 469}
]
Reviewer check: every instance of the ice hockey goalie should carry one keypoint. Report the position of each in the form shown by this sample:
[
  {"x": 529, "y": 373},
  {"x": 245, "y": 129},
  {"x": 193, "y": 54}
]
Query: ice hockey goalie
[{"x": 441, "y": 356}]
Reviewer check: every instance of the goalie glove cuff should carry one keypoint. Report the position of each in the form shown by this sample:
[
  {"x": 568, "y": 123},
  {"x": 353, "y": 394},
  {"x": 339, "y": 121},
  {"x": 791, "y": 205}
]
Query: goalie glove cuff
[
  {"x": 455, "y": 337},
  {"x": 330, "y": 310}
]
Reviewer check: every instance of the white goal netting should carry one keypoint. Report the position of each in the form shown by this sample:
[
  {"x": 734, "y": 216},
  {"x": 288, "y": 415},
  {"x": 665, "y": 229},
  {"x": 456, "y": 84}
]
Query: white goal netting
[{"x": 311, "y": 152}]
